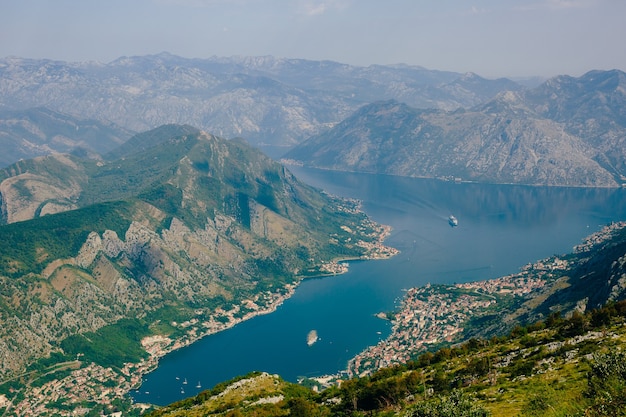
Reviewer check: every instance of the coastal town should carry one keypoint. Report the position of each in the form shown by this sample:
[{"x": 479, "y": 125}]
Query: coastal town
[
  {"x": 435, "y": 315},
  {"x": 599, "y": 237},
  {"x": 84, "y": 389},
  {"x": 89, "y": 387},
  {"x": 429, "y": 316}
]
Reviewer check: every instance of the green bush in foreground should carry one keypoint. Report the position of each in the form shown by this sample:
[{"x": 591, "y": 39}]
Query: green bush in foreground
[
  {"x": 607, "y": 385},
  {"x": 456, "y": 404}
]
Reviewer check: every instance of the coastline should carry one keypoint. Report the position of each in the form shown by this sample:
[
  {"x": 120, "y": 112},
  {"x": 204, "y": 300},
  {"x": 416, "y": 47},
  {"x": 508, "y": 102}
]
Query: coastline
[
  {"x": 374, "y": 251},
  {"x": 432, "y": 315},
  {"x": 213, "y": 327},
  {"x": 92, "y": 383}
]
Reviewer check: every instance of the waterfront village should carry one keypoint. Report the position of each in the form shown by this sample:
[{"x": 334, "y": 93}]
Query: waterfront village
[
  {"x": 428, "y": 316},
  {"x": 89, "y": 384},
  {"x": 434, "y": 315},
  {"x": 93, "y": 384}
]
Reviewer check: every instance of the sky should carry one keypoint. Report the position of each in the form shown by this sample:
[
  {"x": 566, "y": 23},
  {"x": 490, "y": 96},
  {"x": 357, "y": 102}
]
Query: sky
[{"x": 493, "y": 38}]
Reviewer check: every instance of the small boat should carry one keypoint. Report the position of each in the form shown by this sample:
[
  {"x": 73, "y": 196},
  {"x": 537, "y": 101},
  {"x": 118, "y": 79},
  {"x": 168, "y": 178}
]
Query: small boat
[
  {"x": 311, "y": 338},
  {"x": 185, "y": 381},
  {"x": 453, "y": 221},
  {"x": 198, "y": 386}
]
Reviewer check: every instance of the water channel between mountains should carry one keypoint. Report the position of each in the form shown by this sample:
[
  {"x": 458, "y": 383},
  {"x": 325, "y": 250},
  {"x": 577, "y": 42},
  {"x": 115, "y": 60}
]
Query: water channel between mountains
[{"x": 501, "y": 228}]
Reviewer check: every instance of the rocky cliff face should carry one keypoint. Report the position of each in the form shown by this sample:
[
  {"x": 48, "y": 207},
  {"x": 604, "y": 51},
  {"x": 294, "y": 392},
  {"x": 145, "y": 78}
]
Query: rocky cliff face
[
  {"x": 174, "y": 230},
  {"x": 539, "y": 137},
  {"x": 112, "y": 278}
]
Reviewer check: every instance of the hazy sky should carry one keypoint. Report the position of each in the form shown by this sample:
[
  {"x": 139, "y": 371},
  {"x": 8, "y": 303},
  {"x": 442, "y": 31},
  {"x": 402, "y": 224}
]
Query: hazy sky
[{"x": 489, "y": 37}]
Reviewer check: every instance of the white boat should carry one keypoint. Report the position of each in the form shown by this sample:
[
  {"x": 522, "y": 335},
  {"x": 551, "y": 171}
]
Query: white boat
[
  {"x": 311, "y": 338},
  {"x": 453, "y": 221},
  {"x": 185, "y": 381},
  {"x": 198, "y": 386}
]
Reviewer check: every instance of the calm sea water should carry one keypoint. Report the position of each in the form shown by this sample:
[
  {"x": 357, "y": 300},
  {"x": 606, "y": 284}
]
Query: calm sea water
[{"x": 501, "y": 228}]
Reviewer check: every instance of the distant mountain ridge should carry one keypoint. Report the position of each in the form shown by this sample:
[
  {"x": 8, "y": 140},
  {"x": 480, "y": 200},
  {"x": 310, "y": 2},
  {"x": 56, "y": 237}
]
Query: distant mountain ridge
[
  {"x": 25, "y": 134},
  {"x": 266, "y": 100},
  {"x": 566, "y": 132}
]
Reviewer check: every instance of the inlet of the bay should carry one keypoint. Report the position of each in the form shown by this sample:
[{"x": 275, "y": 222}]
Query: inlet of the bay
[{"x": 501, "y": 228}]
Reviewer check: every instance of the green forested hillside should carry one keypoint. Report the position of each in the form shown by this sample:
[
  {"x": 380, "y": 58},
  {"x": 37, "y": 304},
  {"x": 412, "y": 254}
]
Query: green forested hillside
[{"x": 185, "y": 234}]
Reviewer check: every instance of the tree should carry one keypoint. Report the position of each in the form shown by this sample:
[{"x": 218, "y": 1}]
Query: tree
[
  {"x": 455, "y": 405},
  {"x": 607, "y": 385},
  {"x": 301, "y": 407},
  {"x": 576, "y": 325}
]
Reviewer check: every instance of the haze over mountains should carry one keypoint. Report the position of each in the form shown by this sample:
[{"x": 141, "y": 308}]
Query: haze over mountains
[
  {"x": 38, "y": 131},
  {"x": 568, "y": 132},
  {"x": 265, "y": 100},
  {"x": 106, "y": 240}
]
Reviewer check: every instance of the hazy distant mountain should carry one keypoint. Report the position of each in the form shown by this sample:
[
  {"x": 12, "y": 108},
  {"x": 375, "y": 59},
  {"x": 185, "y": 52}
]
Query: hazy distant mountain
[
  {"x": 565, "y": 132},
  {"x": 175, "y": 230},
  {"x": 265, "y": 100},
  {"x": 25, "y": 134}
]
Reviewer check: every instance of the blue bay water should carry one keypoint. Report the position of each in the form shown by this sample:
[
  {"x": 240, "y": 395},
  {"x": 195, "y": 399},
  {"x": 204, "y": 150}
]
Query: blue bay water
[{"x": 501, "y": 228}]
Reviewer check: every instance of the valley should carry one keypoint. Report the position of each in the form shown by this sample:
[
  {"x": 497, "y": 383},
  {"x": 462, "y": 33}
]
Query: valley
[{"x": 124, "y": 254}]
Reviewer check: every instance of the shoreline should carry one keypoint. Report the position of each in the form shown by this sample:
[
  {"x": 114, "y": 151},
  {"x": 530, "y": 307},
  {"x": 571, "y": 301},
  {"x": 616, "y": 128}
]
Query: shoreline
[
  {"x": 91, "y": 382},
  {"x": 172, "y": 344},
  {"x": 376, "y": 251}
]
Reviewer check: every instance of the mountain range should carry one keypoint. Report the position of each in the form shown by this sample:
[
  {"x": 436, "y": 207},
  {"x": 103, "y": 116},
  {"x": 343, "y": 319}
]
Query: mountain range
[
  {"x": 26, "y": 134},
  {"x": 116, "y": 247},
  {"x": 177, "y": 226},
  {"x": 567, "y": 132},
  {"x": 266, "y": 100},
  {"x": 394, "y": 119}
]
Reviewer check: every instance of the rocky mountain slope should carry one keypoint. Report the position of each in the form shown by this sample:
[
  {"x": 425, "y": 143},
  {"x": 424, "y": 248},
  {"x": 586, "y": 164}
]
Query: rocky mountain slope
[
  {"x": 174, "y": 236},
  {"x": 566, "y": 132},
  {"x": 36, "y": 132},
  {"x": 266, "y": 100}
]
